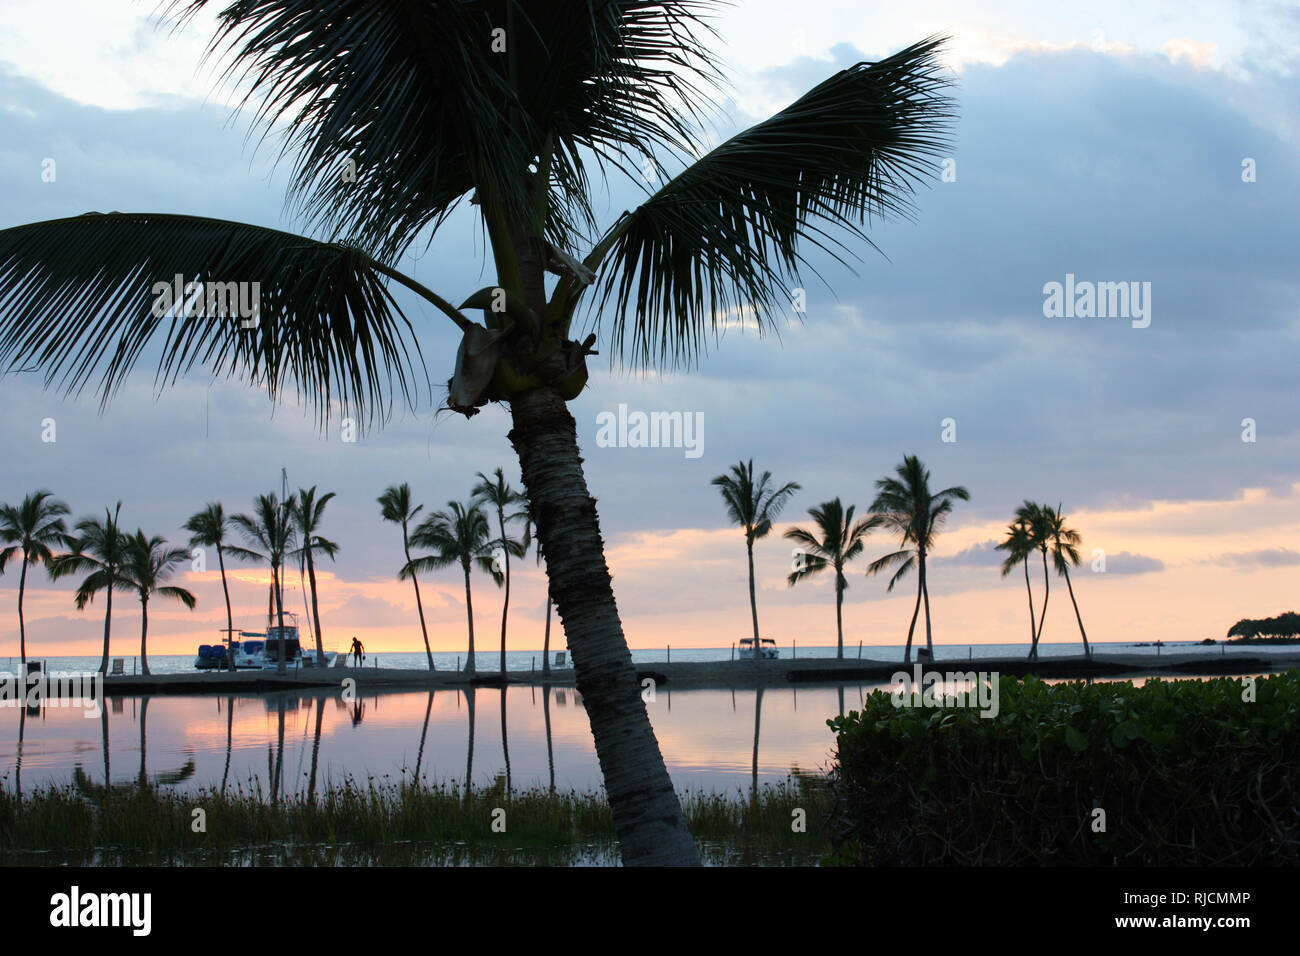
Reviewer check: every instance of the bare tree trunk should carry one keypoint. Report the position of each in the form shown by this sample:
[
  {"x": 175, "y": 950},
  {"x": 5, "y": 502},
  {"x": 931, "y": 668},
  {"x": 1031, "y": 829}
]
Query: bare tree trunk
[{"x": 647, "y": 813}]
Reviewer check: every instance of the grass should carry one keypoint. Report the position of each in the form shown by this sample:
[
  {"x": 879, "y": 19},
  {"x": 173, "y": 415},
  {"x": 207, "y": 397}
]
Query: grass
[{"x": 390, "y": 824}]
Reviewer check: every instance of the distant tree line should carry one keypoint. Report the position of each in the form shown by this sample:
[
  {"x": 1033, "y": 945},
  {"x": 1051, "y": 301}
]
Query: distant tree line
[{"x": 1286, "y": 624}]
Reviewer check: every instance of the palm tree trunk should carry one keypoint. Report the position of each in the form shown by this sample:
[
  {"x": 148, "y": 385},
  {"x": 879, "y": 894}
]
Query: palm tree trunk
[
  {"x": 419, "y": 605},
  {"x": 647, "y": 813},
  {"x": 469, "y": 612},
  {"x": 753, "y": 604},
  {"x": 315, "y": 746},
  {"x": 230, "y": 739},
  {"x": 505, "y": 606},
  {"x": 469, "y": 757},
  {"x": 546, "y": 715},
  {"x": 911, "y": 628},
  {"x": 144, "y": 746},
  {"x": 144, "y": 633},
  {"x": 1033, "y": 631},
  {"x": 22, "y": 628},
  {"x": 279, "y": 610},
  {"x": 315, "y": 610},
  {"x": 1047, "y": 588},
  {"x": 1078, "y": 617},
  {"x": 505, "y": 741},
  {"x": 546, "y": 641},
  {"x": 839, "y": 619},
  {"x": 419, "y": 754},
  {"x": 230, "y": 617},
  {"x": 108, "y": 617},
  {"x": 925, "y": 589}
]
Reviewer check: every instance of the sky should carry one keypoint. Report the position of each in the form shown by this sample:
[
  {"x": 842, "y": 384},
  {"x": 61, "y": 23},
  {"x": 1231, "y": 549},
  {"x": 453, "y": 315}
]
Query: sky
[{"x": 1110, "y": 142}]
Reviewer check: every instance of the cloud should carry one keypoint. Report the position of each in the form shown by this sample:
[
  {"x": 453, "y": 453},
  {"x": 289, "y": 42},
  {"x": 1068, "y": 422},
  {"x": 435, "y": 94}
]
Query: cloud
[
  {"x": 1262, "y": 558},
  {"x": 1125, "y": 563}
]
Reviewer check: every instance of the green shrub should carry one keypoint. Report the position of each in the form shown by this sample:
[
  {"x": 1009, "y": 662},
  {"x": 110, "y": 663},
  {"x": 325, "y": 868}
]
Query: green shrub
[{"x": 1186, "y": 772}]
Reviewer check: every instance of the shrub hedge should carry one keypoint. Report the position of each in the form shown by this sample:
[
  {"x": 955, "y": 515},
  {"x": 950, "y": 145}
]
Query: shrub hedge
[{"x": 1186, "y": 772}]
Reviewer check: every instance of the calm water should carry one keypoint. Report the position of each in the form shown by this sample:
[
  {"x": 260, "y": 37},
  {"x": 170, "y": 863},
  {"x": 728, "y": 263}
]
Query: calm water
[
  {"x": 487, "y": 660},
  {"x": 707, "y": 737}
]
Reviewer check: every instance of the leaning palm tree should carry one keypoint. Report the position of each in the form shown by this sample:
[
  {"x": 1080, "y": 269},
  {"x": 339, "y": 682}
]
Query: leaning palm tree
[
  {"x": 837, "y": 540},
  {"x": 753, "y": 505},
  {"x": 306, "y": 511},
  {"x": 1019, "y": 545},
  {"x": 395, "y": 505},
  {"x": 905, "y": 505},
  {"x": 150, "y": 563},
  {"x": 30, "y": 530},
  {"x": 270, "y": 528},
  {"x": 208, "y": 529},
  {"x": 102, "y": 550},
  {"x": 1037, "y": 520},
  {"x": 459, "y": 535},
  {"x": 1065, "y": 552},
  {"x": 496, "y": 493},
  {"x": 398, "y": 112}
]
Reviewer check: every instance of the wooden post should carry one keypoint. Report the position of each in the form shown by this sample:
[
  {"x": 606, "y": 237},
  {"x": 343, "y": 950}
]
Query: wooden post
[
  {"x": 859, "y": 650},
  {"x": 794, "y": 649},
  {"x": 733, "y": 656},
  {"x": 533, "y": 666},
  {"x": 670, "y": 654}
]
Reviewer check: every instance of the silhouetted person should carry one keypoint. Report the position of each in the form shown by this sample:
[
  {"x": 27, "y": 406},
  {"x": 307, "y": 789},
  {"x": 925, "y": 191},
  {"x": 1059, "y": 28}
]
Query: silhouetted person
[{"x": 358, "y": 651}]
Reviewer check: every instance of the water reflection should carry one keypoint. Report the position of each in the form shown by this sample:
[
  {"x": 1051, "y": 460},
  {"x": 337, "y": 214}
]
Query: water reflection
[{"x": 300, "y": 743}]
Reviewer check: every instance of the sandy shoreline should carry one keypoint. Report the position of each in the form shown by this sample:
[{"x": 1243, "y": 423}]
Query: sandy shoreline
[{"x": 712, "y": 674}]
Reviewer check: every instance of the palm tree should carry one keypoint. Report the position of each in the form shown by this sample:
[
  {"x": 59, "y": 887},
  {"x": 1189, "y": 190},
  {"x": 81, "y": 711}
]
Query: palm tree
[
  {"x": 150, "y": 563},
  {"x": 1036, "y": 518},
  {"x": 1065, "y": 552},
  {"x": 837, "y": 542},
  {"x": 753, "y": 505},
  {"x": 1019, "y": 545},
  {"x": 459, "y": 535},
  {"x": 498, "y": 494},
  {"x": 396, "y": 506},
  {"x": 905, "y": 505},
  {"x": 103, "y": 551},
  {"x": 306, "y": 511},
  {"x": 208, "y": 529},
  {"x": 30, "y": 530},
  {"x": 270, "y": 528},
  {"x": 396, "y": 113}
]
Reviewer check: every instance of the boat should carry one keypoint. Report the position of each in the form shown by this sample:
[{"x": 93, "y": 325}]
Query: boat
[
  {"x": 767, "y": 649},
  {"x": 262, "y": 652}
]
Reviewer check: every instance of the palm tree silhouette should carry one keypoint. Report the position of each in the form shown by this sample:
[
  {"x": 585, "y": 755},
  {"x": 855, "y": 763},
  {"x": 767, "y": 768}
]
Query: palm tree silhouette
[
  {"x": 270, "y": 528},
  {"x": 1064, "y": 544},
  {"x": 1019, "y": 545},
  {"x": 208, "y": 529},
  {"x": 149, "y": 564},
  {"x": 497, "y": 493},
  {"x": 905, "y": 505},
  {"x": 101, "y": 550},
  {"x": 395, "y": 114},
  {"x": 1037, "y": 519},
  {"x": 307, "y": 511},
  {"x": 459, "y": 535},
  {"x": 396, "y": 506},
  {"x": 837, "y": 541},
  {"x": 753, "y": 505},
  {"x": 30, "y": 530}
]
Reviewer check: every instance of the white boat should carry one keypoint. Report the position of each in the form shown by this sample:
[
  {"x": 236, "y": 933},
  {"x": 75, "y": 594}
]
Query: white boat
[
  {"x": 767, "y": 649},
  {"x": 261, "y": 651}
]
